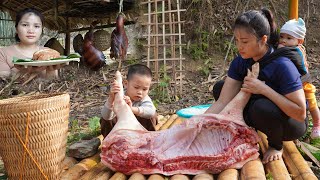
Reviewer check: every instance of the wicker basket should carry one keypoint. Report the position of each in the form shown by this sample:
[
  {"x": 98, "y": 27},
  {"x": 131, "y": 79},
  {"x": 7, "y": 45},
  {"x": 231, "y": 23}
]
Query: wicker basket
[
  {"x": 78, "y": 44},
  {"x": 33, "y": 135},
  {"x": 101, "y": 39}
]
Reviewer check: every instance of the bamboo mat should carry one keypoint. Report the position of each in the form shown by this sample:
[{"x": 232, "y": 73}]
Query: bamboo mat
[{"x": 293, "y": 165}]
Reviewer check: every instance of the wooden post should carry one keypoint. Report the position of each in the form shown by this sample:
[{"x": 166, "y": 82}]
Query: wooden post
[
  {"x": 293, "y": 9},
  {"x": 67, "y": 40}
]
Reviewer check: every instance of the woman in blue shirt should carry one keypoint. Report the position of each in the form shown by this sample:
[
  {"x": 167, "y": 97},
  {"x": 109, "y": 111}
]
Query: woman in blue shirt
[{"x": 277, "y": 106}]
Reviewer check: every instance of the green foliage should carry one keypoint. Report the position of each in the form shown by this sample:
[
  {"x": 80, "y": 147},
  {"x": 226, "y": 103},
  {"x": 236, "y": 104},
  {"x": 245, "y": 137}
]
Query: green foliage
[
  {"x": 94, "y": 123},
  {"x": 233, "y": 49},
  {"x": 269, "y": 176},
  {"x": 131, "y": 61},
  {"x": 77, "y": 133},
  {"x": 206, "y": 68},
  {"x": 199, "y": 50},
  {"x": 160, "y": 92}
]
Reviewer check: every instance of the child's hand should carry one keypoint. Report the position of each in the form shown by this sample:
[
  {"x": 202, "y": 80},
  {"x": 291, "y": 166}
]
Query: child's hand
[
  {"x": 128, "y": 101},
  {"x": 115, "y": 88}
]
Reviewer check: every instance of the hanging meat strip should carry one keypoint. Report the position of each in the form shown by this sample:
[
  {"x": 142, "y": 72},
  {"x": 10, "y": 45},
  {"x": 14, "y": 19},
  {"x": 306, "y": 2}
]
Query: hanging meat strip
[{"x": 119, "y": 40}]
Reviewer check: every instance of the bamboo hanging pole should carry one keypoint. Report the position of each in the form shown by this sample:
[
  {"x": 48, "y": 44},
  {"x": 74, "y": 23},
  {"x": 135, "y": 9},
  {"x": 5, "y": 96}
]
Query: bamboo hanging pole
[{"x": 293, "y": 9}]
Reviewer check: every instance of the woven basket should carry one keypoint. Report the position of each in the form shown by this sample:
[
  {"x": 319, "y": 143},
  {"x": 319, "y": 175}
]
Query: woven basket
[
  {"x": 78, "y": 44},
  {"x": 101, "y": 39},
  {"x": 40, "y": 122}
]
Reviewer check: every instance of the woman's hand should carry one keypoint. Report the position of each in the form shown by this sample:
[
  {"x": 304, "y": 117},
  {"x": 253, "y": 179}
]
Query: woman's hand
[
  {"x": 253, "y": 85},
  {"x": 48, "y": 71},
  {"x": 30, "y": 69}
]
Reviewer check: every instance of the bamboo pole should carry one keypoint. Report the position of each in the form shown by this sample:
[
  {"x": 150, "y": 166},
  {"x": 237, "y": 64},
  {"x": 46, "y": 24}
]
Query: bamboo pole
[
  {"x": 179, "y": 177},
  {"x": 204, "y": 176},
  {"x": 118, "y": 176},
  {"x": 277, "y": 169},
  {"x": 68, "y": 162},
  {"x": 293, "y": 9},
  {"x": 104, "y": 175},
  {"x": 76, "y": 171},
  {"x": 178, "y": 120},
  {"x": 149, "y": 36},
  {"x": 169, "y": 122},
  {"x": 229, "y": 174},
  {"x": 164, "y": 48},
  {"x": 296, "y": 164},
  {"x": 171, "y": 34},
  {"x": 92, "y": 173},
  {"x": 156, "y": 177},
  {"x": 164, "y": 120},
  {"x": 253, "y": 170},
  {"x": 166, "y": 23},
  {"x": 172, "y": 11},
  {"x": 180, "y": 42},
  {"x": 156, "y": 39},
  {"x": 137, "y": 176}
]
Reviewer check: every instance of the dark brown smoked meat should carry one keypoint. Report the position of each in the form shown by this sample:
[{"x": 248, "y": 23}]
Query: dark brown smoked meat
[{"x": 93, "y": 57}]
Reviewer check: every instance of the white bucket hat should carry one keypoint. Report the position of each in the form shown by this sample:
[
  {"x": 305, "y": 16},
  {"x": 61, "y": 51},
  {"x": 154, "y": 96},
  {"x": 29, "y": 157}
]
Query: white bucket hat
[{"x": 295, "y": 28}]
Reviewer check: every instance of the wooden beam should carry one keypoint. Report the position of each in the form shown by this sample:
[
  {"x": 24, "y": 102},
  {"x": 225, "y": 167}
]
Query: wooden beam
[
  {"x": 97, "y": 27},
  {"x": 68, "y": 36}
]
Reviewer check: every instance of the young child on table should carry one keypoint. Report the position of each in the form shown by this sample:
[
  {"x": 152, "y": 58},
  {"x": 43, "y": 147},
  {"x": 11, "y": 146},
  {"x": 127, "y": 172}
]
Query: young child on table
[
  {"x": 292, "y": 34},
  {"x": 136, "y": 92}
]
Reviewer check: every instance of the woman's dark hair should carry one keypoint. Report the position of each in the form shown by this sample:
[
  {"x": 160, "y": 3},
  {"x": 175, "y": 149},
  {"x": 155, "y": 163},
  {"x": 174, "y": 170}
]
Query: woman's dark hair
[
  {"x": 259, "y": 23},
  {"x": 139, "y": 69},
  {"x": 21, "y": 13}
]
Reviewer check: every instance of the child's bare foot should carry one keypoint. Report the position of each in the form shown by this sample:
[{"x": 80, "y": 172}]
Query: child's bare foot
[{"x": 271, "y": 155}]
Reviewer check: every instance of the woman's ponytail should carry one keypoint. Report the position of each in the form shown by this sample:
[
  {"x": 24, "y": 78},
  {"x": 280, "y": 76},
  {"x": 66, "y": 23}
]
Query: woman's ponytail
[{"x": 274, "y": 35}]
